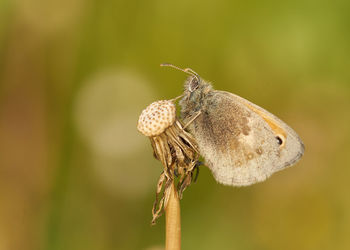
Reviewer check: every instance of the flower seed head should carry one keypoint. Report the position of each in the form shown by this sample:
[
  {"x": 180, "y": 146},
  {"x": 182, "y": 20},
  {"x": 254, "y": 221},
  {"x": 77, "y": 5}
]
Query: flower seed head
[{"x": 156, "y": 118}]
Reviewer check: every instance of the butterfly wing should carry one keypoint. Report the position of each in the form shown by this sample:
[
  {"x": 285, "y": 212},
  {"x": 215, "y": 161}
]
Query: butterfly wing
[{"x": 242, "y": 143}]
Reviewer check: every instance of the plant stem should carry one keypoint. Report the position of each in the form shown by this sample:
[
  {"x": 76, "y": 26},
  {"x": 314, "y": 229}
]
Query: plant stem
[{"x": 173, "y": 221}]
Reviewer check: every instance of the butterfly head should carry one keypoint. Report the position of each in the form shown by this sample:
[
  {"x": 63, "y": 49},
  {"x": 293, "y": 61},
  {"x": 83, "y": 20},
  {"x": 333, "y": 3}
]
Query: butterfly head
[{"x": 195, "y": 90}]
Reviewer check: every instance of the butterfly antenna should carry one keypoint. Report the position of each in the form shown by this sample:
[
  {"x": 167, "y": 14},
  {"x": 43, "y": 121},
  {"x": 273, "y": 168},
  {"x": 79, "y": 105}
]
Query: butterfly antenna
[{"x": 186, "y": 70}]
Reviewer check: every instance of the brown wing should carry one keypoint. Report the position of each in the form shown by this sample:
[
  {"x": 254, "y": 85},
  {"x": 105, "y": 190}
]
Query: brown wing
[{"x": 242, "y": 143}]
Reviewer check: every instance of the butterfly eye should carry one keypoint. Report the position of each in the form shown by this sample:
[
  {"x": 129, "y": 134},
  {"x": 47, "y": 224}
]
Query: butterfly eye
[
  {"x": 193, "y": 85},
  {"x": 280, "y": 140}
]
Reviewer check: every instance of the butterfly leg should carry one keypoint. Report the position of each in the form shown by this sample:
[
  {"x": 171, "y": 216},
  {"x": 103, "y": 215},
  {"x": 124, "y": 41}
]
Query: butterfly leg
[
  {"x": 196, "y": 168},
  {"x": 192, "y": 119}
]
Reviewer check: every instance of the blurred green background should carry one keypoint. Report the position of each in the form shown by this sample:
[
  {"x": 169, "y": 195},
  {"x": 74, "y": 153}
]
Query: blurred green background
[{"x": 75, "y": 75}]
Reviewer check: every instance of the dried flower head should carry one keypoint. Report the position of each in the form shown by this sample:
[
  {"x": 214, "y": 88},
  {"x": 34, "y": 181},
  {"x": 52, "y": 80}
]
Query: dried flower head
[
  {"x": 156, "y": 118},
  {"x": 172, "y": 145}
]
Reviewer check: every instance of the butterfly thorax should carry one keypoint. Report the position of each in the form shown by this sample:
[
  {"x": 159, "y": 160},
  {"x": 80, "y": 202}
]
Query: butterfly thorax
[{"x": 194, "y": 99}]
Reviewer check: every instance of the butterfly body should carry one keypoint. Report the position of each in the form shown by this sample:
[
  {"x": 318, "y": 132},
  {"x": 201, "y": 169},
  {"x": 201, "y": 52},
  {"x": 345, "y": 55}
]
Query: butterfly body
[{"x": 241, "y": 143}]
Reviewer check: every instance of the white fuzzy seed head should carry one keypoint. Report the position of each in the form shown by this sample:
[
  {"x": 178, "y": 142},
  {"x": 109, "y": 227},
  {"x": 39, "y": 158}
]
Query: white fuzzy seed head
[{"x": 156, "y": 118}]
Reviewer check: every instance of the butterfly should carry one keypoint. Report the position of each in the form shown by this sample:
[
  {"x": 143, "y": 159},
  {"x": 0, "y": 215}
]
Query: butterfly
[{"x": 241, "y": 143}]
